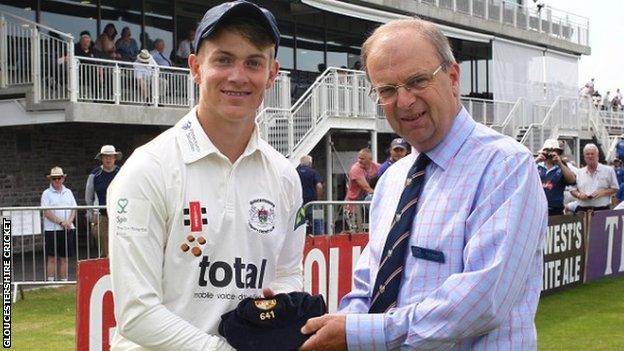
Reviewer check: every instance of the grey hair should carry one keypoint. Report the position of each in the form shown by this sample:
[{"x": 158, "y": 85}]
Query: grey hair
[
  {"x": 306, "y": 160},
  {"x": 590, "y": 146},
  {"x": 158, "y": 40},
  {"x": 426, "y": 29}
]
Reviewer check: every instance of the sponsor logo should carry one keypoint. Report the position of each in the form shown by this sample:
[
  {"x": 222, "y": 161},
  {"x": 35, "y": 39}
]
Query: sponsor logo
[
  {"x": 121, "y": 205},
  {"x": 195, "y": 216},
  {"x": 262, "y": 216},
  {"x": 220, "y": 274},
  {"x": 186, "y": 126}
]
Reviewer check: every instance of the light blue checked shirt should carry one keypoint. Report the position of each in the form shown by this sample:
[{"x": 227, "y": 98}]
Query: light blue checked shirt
[{"x": 484, "y": 209}]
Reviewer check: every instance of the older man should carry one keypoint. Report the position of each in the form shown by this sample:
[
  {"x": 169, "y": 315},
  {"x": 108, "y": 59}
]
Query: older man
[
  {"x": 595, "y": 183},
  {"x": 158, "y": 53},
  {"x": 454, "y": 259},
  {"x": 95, "y": 193},
  {"x": 58, "y": 225},
  {"x": 398, "y": 150}
]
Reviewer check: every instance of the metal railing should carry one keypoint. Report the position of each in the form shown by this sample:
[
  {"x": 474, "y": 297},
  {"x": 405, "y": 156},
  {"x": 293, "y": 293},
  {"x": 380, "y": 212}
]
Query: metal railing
[
  {"x": 335, "y": 93},
  {"x": 554, "y": 22},
  {"x": 488, "y": 112},
  {"x": 613, "y": 121},
  {"x": 335, "y": 217},
  {"x": 34, "y": 260}
]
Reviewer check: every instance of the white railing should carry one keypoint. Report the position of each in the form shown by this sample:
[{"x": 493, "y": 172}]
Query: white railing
[
  {"x": 567, "y": 113},
  {"x": 31, "y": 53},
  {"x": 557, "y": 23},
  {"x": 488, "y": 112},
  {"x": 613, "y": 121},
  {"x": 336, "y": 93}
]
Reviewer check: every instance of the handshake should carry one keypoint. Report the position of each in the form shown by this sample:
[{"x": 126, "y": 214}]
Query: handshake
[{"x": 271, "y": 323}]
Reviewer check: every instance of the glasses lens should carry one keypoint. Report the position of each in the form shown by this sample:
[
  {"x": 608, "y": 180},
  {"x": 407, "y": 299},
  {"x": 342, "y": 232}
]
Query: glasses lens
[{"x": 56, "y": 178}]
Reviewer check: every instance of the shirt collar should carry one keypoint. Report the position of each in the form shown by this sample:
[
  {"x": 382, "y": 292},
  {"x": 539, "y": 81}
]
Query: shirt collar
[
  {"x": 462, "y": 127},
  {"x": 63, "y": 188},
  {"x": 195, "y": 144}
]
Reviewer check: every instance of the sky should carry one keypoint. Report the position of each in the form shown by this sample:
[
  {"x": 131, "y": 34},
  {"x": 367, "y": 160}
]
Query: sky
[{"x": 606, "y": 25}]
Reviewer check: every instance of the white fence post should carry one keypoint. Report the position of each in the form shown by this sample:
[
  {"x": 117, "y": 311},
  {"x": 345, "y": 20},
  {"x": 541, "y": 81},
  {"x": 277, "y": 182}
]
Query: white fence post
[
  {"x": 155, "y": 89},
  {"x": 74, "y": 85},
  {"x": 4, "y": 66},
  {"x": 35, "y": 62},
  {"x": 190, "y": 90},
  {"x": 117, "y": 84}
]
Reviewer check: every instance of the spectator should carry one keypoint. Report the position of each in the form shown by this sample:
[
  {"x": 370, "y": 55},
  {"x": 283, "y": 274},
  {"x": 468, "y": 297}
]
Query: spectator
[
  {"x": 359, "y": 188},
  {"x": 321, "y": 67},
  {"x": 104, "y": 48},
  {"x": 312, "y": 190},
  {"x": 84, "y": 47},
  {"x": 597, "y": 99},
  {"x": 95, "y": 193},
  {"x": 554, "y": 174},
  {"x": 398, "y": 150},
  {"x": 619, "y": 174},
  {"x": 590, "y": 86},
  {"x": 157, "y": 53},
  {"x": 185, "y": 48},
  {"x": 595, "y": 183},
  {"x": 615, "y": 104},
  {"x": 110, "y": 31},
  {"x": 126, "y": 45},
  {"x": 619, "y": 148},
  {"x": 606, "y": 101},
  {"x": 143, "y": 74},
  {"x": 357, "y": 66},
  {"x": 58, "y": 225}
]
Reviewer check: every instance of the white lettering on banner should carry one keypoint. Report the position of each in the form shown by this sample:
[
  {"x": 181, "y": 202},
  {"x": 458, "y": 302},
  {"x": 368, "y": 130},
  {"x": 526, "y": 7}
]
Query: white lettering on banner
[
  {"x": 561, "y": 237},
  {"x": 100, "y": 288},
  {"x": 555, "y": 276},
  {"x": 315, "y": 256},
  {"x": 611, "y": 224},
  {"x": 332, "y": 291}
]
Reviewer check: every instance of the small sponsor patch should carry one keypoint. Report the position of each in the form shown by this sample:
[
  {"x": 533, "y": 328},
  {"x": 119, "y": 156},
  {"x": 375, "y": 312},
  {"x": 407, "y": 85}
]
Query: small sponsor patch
[
  {"x": 262, "y": 216},
  {"x": 195, "y": 216},
  {"x": 131, "y": 217},
  {"x": 265, "y": 305}
]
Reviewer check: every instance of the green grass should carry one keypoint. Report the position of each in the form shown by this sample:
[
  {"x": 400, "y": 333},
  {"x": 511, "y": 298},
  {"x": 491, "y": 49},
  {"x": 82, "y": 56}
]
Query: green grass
[
  {"x": 45, "y": 320},
  {"x": 590, "y": 317}
]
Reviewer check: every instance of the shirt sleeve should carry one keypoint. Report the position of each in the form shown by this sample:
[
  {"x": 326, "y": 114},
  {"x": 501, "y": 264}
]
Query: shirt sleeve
[
  {"x": 289, "y": 267},
  {"x": 138, "y": 200},
  {"x": 357, "y": 172},
  {"x": 89, "y": 190},
  {"x": 503, "y": 235},
  {"x": 613, "y": 182},
  {"x": 44, "y": 199}
]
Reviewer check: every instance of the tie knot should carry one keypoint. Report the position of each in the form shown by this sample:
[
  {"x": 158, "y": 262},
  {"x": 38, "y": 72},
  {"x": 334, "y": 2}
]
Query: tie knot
[{"x": 421, "y": 163}]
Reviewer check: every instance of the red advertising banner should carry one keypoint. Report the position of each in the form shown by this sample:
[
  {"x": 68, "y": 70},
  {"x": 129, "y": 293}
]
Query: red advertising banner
[
  {"x": 95, "y": 319},
  {"x": 328, "y": 263}
]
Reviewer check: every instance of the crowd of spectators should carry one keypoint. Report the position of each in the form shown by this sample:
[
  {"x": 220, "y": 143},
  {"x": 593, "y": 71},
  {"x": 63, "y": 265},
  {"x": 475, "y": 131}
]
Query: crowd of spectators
[{"x": 608, "y": 102}]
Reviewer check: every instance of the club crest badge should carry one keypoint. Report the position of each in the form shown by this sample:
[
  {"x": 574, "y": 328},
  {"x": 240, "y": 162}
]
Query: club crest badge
[
  {"x": 262, "y": 216},
  {"x": 265, "y": 304}
]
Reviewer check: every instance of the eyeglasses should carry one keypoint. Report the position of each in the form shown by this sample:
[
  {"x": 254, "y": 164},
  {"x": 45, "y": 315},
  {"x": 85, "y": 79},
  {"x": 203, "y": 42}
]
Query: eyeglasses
[
  {"x": 56, "y": 178},
  {"x": 387, "y": 94}
]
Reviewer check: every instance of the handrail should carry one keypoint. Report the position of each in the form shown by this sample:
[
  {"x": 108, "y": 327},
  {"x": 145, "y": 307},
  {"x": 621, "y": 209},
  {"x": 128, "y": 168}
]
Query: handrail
[
  {"x": 50, "y": 29},
  {"x": 539, "y": 126}
]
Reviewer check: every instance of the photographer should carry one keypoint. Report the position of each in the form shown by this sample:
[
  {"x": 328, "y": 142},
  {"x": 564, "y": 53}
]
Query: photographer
[
  {"x": 555, "y": 175},
  {"x": 595, "y": 184}
]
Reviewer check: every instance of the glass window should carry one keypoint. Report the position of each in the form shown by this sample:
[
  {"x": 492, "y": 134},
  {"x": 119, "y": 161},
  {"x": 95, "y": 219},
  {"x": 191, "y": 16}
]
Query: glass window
[
  {"x": 123, "y": 13},
  {"x": 310, "y": 47},
  {"x": 70, "y": 16},
  {"x": 465, "y": 69},
  {"x": 159, "y": 24},
  {"x": 22, "y": 8}
]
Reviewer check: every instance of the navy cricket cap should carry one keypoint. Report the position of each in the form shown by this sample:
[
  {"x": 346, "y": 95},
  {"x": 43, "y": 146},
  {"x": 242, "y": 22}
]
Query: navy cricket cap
[
  {"x": 272, "y": 324},
  {"x": 240, "y": 8}
]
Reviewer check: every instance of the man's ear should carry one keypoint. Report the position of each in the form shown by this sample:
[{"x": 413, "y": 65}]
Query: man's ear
[
  {"x": 193, "y": 62},
  {"x": 454, "y": 74},
  {"x": 273, "y": 71}
]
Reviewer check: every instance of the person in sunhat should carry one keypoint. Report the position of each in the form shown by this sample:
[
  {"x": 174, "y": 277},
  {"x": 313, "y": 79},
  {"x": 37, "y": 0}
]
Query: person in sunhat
[
  {"x": 95, "y": 194},
  {"x": 59, "y": 238},
  {"x": 555, "y": 175}
]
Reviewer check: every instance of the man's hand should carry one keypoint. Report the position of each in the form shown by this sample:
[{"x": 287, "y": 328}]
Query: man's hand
[
  {"x": 540, "y": 157},
  {"x": 329, "y": 333}
]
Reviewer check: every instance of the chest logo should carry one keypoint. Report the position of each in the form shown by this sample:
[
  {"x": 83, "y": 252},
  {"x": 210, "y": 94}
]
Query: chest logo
[
  {"x": 262, "y": 216},
  {"x": 195, "y": 216}
]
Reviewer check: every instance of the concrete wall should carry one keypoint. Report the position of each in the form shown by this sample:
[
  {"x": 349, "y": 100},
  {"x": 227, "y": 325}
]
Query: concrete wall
[{"x": 28, "y": 153}]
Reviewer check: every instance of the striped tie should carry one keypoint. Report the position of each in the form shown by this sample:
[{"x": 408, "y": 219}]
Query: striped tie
[{"x": 388, "y": 280}]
